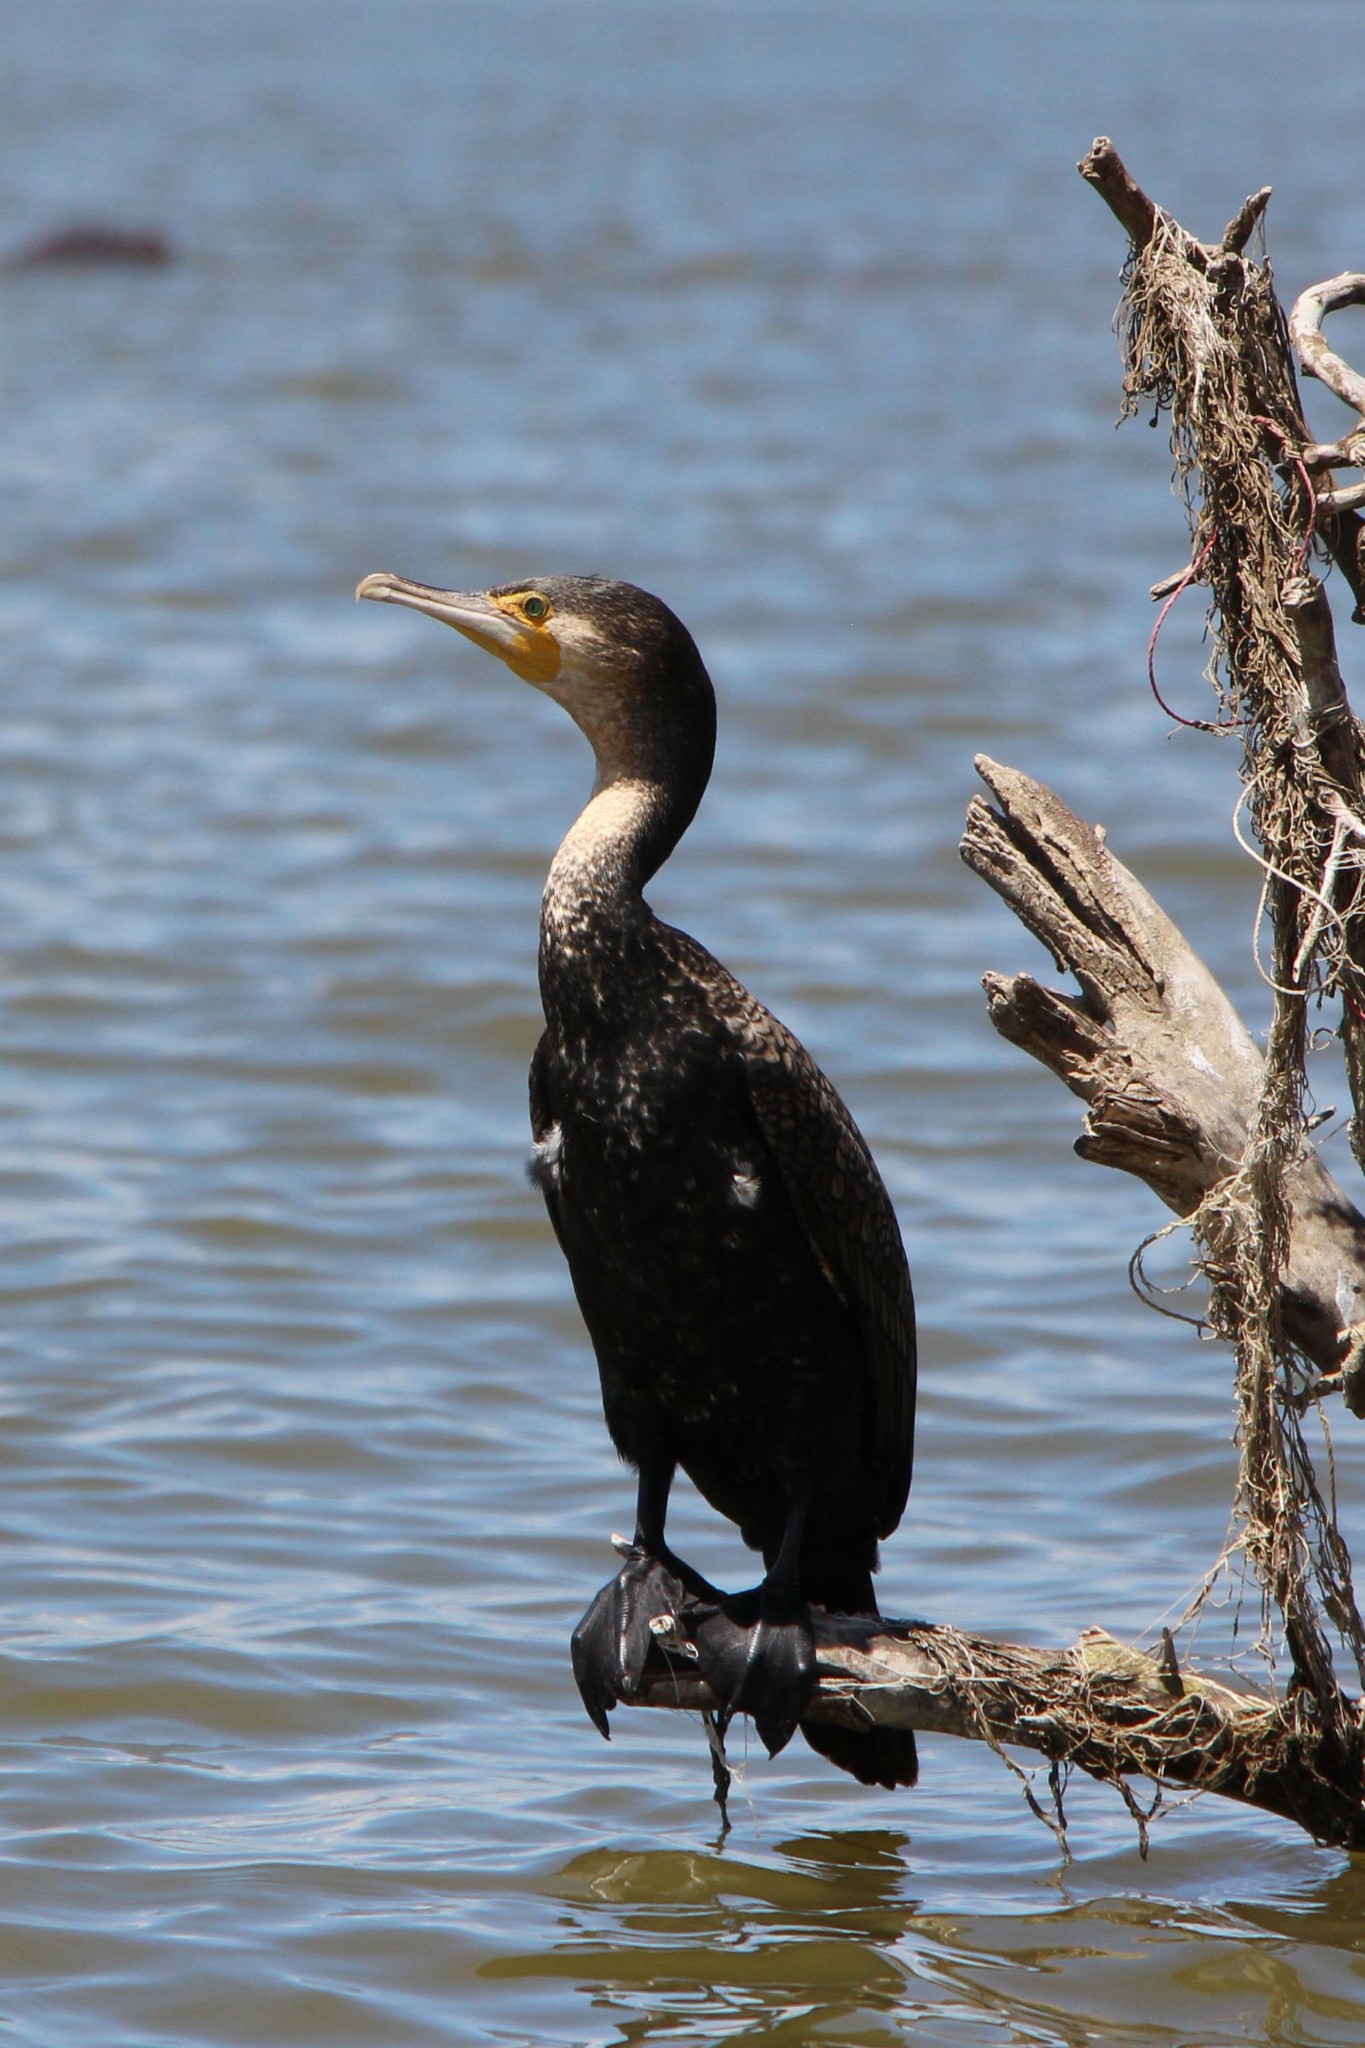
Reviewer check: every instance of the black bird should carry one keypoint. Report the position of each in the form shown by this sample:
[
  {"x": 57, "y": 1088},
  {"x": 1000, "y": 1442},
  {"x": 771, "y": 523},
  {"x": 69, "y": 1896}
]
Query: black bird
[{"x": 732, "y": 1247}]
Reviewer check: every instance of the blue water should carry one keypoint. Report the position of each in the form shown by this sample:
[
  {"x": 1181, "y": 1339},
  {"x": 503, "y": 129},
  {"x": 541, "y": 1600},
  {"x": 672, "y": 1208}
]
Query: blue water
[{"x": 799, "y": 316}]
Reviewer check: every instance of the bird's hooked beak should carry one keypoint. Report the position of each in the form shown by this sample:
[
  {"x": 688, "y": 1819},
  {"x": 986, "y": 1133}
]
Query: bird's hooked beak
[{"x": 531, "y": 651}]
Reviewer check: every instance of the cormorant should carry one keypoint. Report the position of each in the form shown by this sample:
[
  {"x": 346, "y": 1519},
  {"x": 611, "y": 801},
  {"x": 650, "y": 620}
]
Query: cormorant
[{"x": 731, "y": 1243}]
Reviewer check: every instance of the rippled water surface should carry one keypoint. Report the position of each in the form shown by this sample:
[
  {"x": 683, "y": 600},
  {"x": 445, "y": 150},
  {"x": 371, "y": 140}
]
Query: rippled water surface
[{"x": 797, "y": 314}]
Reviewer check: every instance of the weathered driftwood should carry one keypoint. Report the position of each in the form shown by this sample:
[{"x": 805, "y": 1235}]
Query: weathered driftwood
[
  {"x": 1098, "y": 1707},
  {"x": 1176, "y": 1090},
  {"x": 1320, "y": 361},
  {"x": 1153, "y": 1047}
]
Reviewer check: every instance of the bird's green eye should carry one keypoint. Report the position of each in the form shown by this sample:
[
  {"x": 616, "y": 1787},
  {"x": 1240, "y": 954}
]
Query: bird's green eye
[{"x": 534, "y": 607}]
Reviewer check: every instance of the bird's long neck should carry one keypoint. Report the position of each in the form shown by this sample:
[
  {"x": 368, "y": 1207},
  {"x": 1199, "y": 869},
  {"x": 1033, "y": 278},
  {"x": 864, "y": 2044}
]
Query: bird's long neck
[{"x": 594, "y": 919}]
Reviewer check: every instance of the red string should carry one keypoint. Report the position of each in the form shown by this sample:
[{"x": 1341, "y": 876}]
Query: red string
[
  {"x": 1228, "y": 725},
  {"x": 1195, "y": 724}
]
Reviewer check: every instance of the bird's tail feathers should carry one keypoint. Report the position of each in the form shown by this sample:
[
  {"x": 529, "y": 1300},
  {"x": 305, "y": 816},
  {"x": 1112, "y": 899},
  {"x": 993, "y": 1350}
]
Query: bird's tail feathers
[{"x": 874, "y": 1756}]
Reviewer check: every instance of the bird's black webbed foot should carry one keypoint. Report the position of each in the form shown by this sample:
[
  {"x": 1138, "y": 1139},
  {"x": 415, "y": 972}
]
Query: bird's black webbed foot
[
  {"x": 613, "y": 1639},
  {"x": 756, "y": 1651}
]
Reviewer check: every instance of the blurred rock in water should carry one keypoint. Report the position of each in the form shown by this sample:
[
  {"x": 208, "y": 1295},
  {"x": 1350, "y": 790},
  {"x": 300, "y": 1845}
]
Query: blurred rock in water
[{"x": 87, "y": 243}]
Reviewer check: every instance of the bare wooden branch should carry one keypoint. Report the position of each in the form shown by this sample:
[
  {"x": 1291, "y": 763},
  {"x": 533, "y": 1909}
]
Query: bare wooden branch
[
  {"x": 1242, "y": 226},
  {"x": 1348, "y": 453},
  {"x": 1153, "y": 1047},
  {"x": 1305, "y": 331},
  {"x": 1349, "y": 499},
  {"x": 1104, "y": 168},
  {"x": 1333, "y": 743},
  {"x": 1099, "y": 1707},
  {"x": 1330, "y": 724}
]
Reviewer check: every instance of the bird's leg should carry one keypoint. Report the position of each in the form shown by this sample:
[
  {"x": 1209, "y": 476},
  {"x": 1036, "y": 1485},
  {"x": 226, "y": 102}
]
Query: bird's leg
[
  {"x": 756, "y": 1650},
  {"x": 651, "y": 1512},
  {"x": 613, "y": 1639}
]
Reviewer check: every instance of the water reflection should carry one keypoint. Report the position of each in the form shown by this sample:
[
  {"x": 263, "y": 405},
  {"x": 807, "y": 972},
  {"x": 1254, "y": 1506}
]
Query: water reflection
[
  {"x": 680, "y": 1945},
  {"x": 829, "y": 1939},
  {"x": 1329, "y": 1910}
]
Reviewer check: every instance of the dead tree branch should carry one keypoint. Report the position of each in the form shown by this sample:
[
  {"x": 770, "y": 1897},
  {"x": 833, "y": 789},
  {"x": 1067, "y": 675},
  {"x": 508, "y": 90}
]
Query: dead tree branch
[
  {"x": 1104, "y": 168},
  {"x": 1167, "y": 1069},
  {"x": 1310, "y": 345},
  {"x": 1098, "y": 1707}
]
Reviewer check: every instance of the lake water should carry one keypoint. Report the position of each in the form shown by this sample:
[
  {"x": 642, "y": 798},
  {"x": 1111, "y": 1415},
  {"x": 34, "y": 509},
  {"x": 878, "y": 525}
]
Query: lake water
[{"x": 798, "y": 315}]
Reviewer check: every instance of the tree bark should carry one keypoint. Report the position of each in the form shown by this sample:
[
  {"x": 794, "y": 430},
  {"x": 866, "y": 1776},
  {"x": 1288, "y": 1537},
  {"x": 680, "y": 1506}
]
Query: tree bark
[{"x": 1155, "y": 1049}]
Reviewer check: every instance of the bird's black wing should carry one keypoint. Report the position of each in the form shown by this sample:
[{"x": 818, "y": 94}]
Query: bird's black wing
[
  {"x": 544, "y": 1117},
  {"x": 846, "y": 1213}
]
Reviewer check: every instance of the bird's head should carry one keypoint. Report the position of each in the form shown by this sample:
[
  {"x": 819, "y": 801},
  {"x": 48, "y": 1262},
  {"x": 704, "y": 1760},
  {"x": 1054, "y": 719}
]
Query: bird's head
[{"x": 624, "y": 667}]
